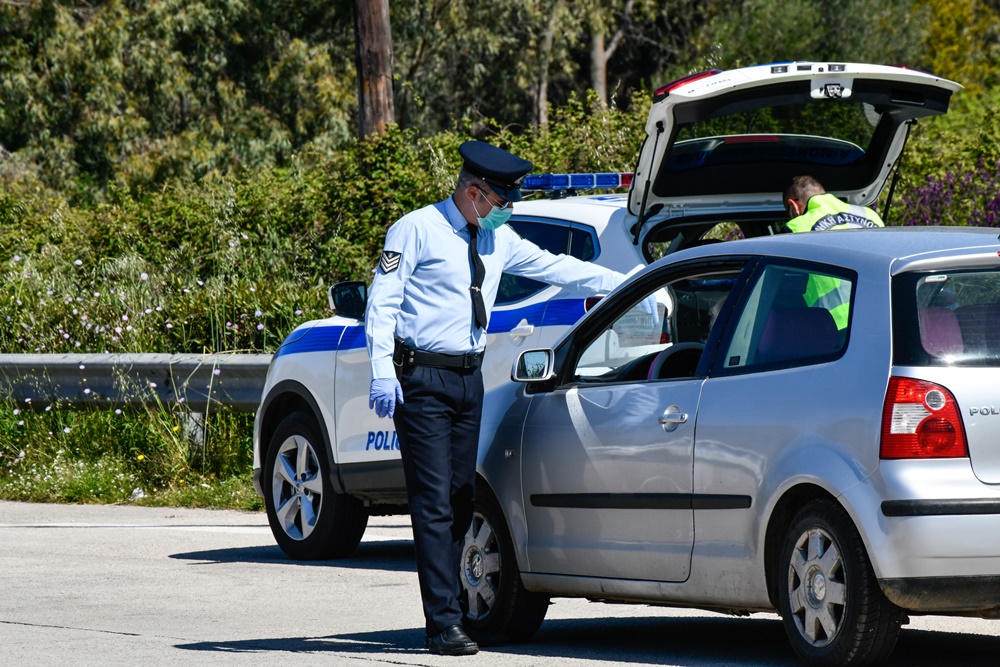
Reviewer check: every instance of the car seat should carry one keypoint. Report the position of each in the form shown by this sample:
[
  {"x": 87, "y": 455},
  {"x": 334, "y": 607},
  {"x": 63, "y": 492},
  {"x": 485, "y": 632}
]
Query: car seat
[
  {"x": 939, "y": 331},
  {"x": 797, "y": 333},
  {"x": 980, "y": 327}
]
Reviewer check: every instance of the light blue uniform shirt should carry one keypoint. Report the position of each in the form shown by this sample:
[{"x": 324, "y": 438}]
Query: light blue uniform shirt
[{"x": 421, "y": 288}]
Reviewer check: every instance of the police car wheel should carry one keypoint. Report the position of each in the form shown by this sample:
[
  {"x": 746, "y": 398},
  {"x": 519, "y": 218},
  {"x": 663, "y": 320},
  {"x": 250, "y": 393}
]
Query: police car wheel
[
  {"x": 309, "y": 520},
  {"x": 833, "y": 610},
  {"x": 498, "y": 609}
]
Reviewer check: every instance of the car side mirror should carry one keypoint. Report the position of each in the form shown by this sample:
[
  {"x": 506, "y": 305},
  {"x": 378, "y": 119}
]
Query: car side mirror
[
  {"x": 533, "y": 366},
  {"x": 349, "y": 299}
]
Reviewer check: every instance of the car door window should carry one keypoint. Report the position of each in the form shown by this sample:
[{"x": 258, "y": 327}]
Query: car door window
[
  {"x": 637, "y": 347},
  {"x": 559, "y": 239},
  {"x": 583, "y": 242},
  {"x": 793, "y": 316}
]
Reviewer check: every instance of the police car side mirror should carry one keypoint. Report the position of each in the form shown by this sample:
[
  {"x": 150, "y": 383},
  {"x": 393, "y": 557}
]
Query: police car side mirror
[
  {"x": 533, "y": 366},
  {"x": 349, "y": 299}
]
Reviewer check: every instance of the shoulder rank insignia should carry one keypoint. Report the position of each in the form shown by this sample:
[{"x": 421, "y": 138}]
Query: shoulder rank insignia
[{"x": 389, "y": 261}]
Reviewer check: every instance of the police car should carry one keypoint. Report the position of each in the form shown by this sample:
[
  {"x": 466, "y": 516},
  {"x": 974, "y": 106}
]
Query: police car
[{"x": 720, "y": 148}]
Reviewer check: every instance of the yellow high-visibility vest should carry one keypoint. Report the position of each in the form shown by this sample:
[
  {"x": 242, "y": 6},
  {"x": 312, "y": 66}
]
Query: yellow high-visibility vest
[{"x": 825, "y": 212}]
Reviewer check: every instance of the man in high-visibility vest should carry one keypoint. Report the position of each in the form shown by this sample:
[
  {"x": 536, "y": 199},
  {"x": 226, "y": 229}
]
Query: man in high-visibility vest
[{"x": 811, "y": 208}]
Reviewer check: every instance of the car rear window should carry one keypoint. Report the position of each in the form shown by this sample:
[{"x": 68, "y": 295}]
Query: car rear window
[{"x": 946, "y": 318}]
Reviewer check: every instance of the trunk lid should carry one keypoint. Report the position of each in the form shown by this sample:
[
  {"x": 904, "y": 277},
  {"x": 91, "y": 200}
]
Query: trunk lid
[{"x": 731, "y": 141}]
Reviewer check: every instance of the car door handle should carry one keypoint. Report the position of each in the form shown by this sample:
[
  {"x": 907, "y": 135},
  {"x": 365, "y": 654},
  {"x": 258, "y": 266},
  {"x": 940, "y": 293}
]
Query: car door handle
[
  {"x": 672, "y": 417},
  {"x": 522, "y": 329},
  {"x": 675, "y": 418}
]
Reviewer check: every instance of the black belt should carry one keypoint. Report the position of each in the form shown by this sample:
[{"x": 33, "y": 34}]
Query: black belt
[{"x": 405, "y": 355}]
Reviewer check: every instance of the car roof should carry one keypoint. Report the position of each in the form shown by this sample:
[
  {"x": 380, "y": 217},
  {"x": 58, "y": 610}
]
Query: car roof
[
  {"x": 545, "y": 204},
  {"x": 889, "y": 249},
  {"x": 594, "y": 210}
]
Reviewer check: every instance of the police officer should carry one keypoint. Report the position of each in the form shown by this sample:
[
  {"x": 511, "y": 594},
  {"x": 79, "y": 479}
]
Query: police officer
[
  {"x": 811, "y": 209},
  {"x": 426, "y": 324}
]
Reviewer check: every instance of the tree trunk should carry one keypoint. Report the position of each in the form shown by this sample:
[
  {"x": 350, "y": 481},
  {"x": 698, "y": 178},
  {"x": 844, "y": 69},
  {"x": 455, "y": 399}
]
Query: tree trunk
[
  {"x": 599, "y": 56},
  {"x": 373, "y": 52},
  {"x": 542, "y": 99},
  {"x": 598, "y": 60}
]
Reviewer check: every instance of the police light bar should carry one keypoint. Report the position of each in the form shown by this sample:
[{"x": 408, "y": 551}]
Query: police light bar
[{"x": 549, "y": 182}]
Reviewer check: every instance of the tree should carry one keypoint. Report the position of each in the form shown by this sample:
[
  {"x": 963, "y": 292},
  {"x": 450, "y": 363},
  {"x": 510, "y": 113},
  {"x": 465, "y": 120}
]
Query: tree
[
  {"x": 141, "y": 92},
  {"x": 963, "y": 41},
  {"x": 761, "y": 31},
  {"x": 599, "y": 54},
  {"x": 373, "y": 45},
  {"x": 548, "y": 39}
]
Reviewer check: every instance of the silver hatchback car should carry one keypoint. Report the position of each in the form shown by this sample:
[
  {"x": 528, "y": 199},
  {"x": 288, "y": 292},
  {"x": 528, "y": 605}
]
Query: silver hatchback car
[{"x": 812, "y": 426}]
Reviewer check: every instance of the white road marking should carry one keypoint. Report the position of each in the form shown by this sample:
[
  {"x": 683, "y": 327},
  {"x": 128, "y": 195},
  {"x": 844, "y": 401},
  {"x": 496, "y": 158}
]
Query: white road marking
[{"x": 262, "y": 530}]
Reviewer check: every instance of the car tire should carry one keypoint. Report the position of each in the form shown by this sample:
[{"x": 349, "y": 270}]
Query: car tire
[
  {"x": 498, "y": 609},
  {"x": 833, "y": 610},
  {"x": 309, "y": 520}
]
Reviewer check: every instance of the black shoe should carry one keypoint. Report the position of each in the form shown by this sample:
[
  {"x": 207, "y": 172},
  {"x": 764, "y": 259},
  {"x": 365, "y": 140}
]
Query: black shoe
[{"x": 452, "y": 641}]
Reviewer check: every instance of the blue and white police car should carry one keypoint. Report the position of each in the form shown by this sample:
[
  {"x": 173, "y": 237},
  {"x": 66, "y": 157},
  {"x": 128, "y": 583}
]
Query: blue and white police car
[{"x": 719, "y": 150}]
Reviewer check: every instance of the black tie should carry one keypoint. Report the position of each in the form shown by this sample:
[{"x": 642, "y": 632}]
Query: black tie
[{"x": 478, "y": 306}]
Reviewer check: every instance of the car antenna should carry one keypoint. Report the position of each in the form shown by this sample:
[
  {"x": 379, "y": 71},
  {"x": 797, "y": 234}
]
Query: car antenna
[{"x": 645, "y": 190}]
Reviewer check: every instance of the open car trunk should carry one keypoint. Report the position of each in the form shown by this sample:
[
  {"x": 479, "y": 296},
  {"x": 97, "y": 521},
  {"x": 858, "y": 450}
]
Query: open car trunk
[{"x": 723, "y": 145}]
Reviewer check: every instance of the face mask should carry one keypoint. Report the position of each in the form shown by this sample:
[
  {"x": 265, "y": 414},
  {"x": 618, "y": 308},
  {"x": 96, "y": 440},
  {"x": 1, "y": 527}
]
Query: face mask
[{"x": 495, "y": 218}]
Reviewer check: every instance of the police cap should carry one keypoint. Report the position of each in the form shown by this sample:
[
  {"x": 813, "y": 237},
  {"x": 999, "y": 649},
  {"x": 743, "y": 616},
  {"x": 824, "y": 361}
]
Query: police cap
[{"x": 501, "y": 170}]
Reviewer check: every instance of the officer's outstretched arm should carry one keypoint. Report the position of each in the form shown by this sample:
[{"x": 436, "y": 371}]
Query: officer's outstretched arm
[{"x": 528, "y": 260}]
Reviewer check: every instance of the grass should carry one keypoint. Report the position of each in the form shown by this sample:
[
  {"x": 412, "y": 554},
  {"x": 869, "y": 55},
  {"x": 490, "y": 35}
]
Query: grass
[
  {"x": 142, "y": 457},
  {"x": 109, "y": 481},
  {"x": 235, "y": 493}
]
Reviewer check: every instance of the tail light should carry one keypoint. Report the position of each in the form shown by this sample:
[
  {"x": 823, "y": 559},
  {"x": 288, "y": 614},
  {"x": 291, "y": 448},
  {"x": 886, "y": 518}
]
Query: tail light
[
  {"x": 663, "y": 91},
  {"x": 590, "y": 302},
  {"x": 920, "y": 420}
]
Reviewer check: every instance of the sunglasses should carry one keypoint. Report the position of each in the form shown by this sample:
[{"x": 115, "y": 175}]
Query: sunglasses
[{"x": 483, "y": 190}]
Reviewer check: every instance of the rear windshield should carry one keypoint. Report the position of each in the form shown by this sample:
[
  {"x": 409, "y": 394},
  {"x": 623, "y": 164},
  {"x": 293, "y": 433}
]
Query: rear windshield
[
  {"x": 830, "y": 134},
  {"x": 947, "y": 319},
  {"x": 778, "y": 135}
]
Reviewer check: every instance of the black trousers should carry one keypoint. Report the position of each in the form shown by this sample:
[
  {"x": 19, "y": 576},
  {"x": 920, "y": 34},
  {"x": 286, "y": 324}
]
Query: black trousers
[{"x": 438, "y": 429}]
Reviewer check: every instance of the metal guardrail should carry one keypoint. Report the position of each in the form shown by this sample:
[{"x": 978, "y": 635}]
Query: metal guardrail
[{"x": 201, "y": 382}]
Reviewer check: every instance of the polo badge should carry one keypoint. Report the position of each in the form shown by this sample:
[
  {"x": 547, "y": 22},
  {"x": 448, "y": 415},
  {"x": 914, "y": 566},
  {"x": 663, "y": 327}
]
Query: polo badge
[{"x": 389, "y": 261}]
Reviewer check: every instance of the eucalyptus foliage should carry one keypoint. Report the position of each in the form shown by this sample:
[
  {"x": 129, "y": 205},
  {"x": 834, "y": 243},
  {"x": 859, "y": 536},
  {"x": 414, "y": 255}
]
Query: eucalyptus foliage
[{"x": 141, "y": 92}]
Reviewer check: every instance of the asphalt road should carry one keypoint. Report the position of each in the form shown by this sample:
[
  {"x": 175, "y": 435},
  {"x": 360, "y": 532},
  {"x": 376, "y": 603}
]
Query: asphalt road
[{"x": 100, "y": 585}]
